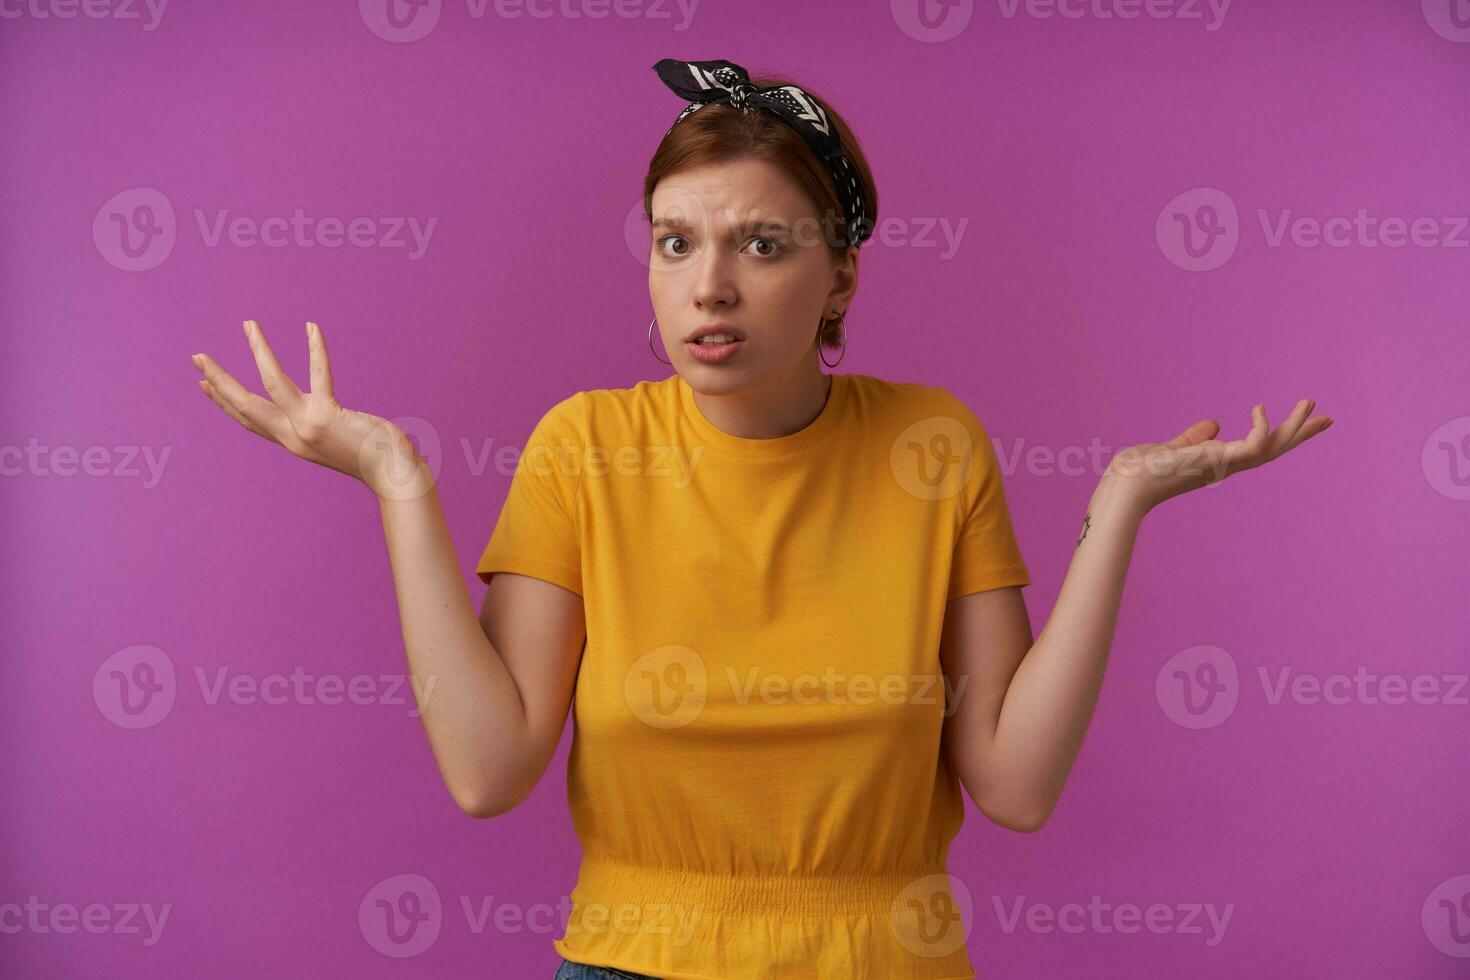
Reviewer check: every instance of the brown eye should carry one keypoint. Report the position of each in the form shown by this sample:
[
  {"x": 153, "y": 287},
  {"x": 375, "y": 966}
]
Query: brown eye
[{"x": 776, "y": 247}]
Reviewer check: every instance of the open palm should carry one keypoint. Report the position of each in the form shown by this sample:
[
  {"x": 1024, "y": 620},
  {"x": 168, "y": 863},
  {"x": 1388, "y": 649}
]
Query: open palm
[
  {"x": 312, "y": 424},
  {"x": 1195, "y": 458}
]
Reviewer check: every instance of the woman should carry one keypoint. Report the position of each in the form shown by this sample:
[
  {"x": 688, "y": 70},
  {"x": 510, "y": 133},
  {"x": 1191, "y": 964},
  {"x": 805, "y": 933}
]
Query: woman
[{"x": 799, "y": 592}]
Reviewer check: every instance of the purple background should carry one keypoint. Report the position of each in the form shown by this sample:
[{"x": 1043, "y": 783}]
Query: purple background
[{"x": 1062, "y": 319}]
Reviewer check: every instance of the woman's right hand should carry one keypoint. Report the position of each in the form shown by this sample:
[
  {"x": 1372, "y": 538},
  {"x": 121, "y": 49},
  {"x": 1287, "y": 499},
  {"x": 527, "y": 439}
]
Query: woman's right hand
[{"x": 314, "y": 425}]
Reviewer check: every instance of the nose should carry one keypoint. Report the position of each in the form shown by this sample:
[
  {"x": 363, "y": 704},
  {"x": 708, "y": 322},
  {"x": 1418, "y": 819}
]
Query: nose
[{"x": 714, "y": 283}]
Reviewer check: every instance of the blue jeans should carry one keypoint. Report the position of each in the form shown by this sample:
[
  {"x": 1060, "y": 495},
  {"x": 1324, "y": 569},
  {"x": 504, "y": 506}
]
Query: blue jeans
[{"x": 582, "y": 971}]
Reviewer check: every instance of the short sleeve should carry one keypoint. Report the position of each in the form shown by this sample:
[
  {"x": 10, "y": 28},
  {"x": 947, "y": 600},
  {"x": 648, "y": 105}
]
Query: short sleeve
[
  {"x": 986, "y": 554},
  {"x": 536, "y": 533}
]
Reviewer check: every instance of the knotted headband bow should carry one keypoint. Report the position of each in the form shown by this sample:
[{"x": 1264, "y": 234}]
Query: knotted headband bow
[{"x": 704, "y": 82}]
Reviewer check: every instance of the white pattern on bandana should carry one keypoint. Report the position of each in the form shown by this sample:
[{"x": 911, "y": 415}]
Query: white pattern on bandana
[{"x": 704, "y": 82}]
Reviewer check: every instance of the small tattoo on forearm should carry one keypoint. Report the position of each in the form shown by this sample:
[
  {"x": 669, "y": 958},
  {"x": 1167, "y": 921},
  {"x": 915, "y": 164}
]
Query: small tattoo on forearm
[{"x": 1086, "y": 523}]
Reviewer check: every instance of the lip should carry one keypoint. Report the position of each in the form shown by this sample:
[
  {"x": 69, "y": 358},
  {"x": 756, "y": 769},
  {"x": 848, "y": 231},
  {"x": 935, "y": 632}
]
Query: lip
[
  {"x": 713, "y": 355},
  {"x": 709, "y": 328}
]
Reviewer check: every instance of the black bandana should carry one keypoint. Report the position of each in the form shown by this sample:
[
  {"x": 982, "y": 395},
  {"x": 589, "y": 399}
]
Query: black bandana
[{"x": 703, "y": 82}]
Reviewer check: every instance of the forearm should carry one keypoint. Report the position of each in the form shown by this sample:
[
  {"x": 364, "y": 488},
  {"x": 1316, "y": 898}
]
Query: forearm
[
  {"x": 1050, "y": 700},
  {"x": 467, "y": 697}
]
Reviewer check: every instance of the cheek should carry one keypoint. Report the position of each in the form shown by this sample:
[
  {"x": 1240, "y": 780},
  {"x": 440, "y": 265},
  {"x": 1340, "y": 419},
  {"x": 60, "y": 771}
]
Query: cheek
[
  {"x": 794, "y": 297},
  {"x": 663, "y": 290},
  {"x": 794, "y": 284}
]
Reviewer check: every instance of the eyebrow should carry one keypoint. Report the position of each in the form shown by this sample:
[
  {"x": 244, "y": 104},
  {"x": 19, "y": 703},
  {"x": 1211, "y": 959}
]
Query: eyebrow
[{"x": 679, "y": 224}]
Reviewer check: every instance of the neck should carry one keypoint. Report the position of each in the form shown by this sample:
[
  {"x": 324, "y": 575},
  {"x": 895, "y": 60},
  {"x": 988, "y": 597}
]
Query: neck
[{"x": 770, "y": 409}]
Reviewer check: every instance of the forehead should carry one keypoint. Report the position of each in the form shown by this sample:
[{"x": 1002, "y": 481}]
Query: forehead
[{"x": 722, "y": 193}]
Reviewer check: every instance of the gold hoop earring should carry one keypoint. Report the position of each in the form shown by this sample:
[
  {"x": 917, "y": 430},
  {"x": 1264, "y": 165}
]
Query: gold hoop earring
[
  {"x": 842, "y": 321},
  {"x": 650, "y": 344}
]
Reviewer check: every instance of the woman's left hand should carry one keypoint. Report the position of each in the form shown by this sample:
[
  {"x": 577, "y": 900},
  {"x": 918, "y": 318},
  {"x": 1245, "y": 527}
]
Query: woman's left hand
[{"x": 1156, "y": 471}]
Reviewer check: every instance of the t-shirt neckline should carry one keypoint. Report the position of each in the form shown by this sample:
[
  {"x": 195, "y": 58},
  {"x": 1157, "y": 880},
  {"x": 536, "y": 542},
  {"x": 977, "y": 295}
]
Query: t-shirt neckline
[{"x": 803, "y": 438}]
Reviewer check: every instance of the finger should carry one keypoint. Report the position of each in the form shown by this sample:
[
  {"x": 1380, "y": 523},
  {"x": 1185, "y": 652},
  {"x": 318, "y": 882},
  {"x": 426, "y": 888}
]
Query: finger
[
  {"x": 1310, "y": 428},
  {"x": 1197, "y": 433},
  {"x": 1258, "y": 440},
  {"x": 231, "y": 410},
  {"x": 1285, "y": 436},
  {"x": 278, "y": 384},
  {"x": 321, "y": 365},
  {"x": 266, "y": 415},
  {"x": 1242, "y": 454}
]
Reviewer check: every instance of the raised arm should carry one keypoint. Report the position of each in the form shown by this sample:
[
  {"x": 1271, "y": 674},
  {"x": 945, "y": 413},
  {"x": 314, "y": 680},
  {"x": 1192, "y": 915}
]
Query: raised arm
[
  {"x": 492, "y": 689},
  {"x": 502, "y": 681},
  {"x": 1017, "y": 726}
]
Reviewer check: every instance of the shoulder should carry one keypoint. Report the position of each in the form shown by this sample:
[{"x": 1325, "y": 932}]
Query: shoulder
[
  {"x": 913, "y": 401},
  {"x": 642, "y": 396},
  {"x": 603, "y": 408}
]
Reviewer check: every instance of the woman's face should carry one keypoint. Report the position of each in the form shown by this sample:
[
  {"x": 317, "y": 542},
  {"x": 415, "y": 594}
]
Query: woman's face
[{"x": 739, "y": 244}]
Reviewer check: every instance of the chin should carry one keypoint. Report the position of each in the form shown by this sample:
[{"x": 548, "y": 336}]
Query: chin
[{"x": 714, "y": 379}]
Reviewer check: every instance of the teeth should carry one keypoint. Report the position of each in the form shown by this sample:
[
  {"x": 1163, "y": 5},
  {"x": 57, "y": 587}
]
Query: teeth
[{"x": 716, "y": 338}]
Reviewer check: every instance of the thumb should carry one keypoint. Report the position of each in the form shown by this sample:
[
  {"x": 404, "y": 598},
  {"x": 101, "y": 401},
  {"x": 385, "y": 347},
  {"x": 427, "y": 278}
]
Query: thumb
[{"x": 1199, "y": 432}]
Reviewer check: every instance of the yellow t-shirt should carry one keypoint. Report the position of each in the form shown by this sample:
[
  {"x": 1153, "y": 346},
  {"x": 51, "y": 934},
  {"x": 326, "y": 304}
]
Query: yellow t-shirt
[{"x": 756, "y": 774}]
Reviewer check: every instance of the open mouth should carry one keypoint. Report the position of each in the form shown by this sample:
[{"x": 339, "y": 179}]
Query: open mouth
[{"x": 714, "y": 348}]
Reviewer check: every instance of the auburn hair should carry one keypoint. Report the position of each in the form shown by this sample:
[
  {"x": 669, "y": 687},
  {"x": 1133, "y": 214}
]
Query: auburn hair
[{"x": 720, "y": 133}]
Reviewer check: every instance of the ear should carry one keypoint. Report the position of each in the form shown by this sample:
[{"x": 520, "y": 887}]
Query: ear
[{"x": 844, "y": 279}]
